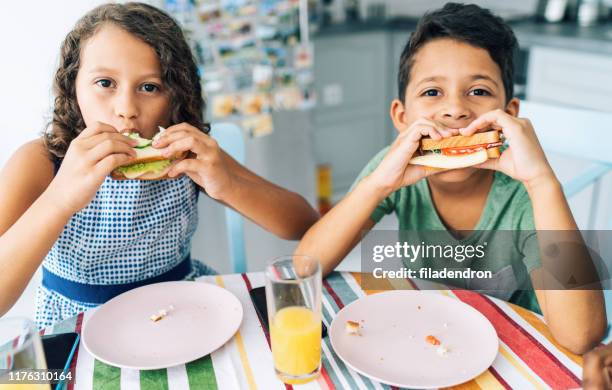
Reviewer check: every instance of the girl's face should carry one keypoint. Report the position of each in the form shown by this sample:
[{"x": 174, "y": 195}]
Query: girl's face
[
  {"x": 119, "y": 83},
  {"x": 452, "y": 83}
]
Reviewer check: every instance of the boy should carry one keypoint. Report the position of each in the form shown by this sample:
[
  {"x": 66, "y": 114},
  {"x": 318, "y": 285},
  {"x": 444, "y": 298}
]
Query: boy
[{"x": 455, "y": 78}]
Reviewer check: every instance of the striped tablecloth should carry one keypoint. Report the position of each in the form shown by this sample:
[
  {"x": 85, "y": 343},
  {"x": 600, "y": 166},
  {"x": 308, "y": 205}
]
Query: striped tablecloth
[{"x": 528, "y": 356}]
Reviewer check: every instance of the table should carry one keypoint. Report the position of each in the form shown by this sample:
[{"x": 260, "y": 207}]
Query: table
[{"x": 528, "y": 356}]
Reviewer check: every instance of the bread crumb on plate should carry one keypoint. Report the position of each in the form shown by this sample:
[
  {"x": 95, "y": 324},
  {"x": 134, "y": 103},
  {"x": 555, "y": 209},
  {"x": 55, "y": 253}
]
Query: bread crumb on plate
[
  {"x": 352, "y": 327},
  {"x": 161, "y": 313}
]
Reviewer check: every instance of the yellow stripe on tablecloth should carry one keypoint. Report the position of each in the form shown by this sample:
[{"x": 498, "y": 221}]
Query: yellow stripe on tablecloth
[
  {"x": 541, "y": 327},
  {"x": 471, "y": 385},
  {"x": 360, "y": 278},
  {"x": 241, "y": 350},
  {"x": 401, "y": 284},
  {"x": 487, "y": 380}
]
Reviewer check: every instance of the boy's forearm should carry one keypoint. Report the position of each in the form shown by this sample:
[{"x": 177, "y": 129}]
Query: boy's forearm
[
  {"x": 282, "y": 212},
  {"x": 330, "y": 239},
  {"x": 581, "y": 328},
  {"x": 25, "y": 244},
  {"x": 550, "y": 208}
]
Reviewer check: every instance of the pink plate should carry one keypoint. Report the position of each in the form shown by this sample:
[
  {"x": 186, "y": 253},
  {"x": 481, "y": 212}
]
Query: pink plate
[
  {"x": 391, "y": 347},
  {"x": 202, "y": 317}
]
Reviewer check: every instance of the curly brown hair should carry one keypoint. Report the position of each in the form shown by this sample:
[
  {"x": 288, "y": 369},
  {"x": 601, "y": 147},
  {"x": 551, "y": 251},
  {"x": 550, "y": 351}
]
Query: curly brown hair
[{"x": 179, "y": 72}]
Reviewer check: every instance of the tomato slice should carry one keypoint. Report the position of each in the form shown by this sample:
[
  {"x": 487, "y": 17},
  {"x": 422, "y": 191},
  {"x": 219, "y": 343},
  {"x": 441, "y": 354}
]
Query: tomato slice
[
  {"x": 432, "y": 340},
  {"x": 460, "y": 150}
]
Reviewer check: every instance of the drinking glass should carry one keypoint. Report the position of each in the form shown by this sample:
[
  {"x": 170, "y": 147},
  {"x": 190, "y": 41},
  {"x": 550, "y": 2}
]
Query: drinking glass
[
  {"x": 22, "y": 359},
  {"x": 293, "y": 295}
]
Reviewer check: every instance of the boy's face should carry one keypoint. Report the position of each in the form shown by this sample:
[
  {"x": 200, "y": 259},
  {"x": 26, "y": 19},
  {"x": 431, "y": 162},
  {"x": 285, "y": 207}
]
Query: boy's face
[
  {"x": 451, "y": 83},
  {"x": 119, "y": 83}
]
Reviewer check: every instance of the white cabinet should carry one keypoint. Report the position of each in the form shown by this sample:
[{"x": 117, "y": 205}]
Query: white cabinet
[
  {"x": 576, "y": 79},
  {"x": 572, "y": 78}
]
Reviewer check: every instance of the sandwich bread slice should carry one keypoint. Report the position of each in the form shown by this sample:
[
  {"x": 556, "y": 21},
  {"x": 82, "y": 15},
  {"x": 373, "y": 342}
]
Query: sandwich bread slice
[
  {"x": 149, "y": 163},
  {"x": 458, "y": 151}
]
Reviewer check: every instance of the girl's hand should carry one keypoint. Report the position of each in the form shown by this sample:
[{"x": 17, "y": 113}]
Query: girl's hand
[
  {"x": 207, "y": 168},
  {"x": 395, "y": 170},
  {"x": 91, "y": 156},
  {"x": 524, "y": 159}
]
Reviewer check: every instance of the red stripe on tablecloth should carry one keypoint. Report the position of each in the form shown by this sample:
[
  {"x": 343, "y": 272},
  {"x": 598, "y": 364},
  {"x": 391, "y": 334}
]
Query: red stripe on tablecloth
[
  {"x": 77, "y": 329},
  {"x": 79, "y": 322},
  {"x": 326, "y": 378},
  {"x": 333, "y": 294},
  {"x": 247, "y": 282},
  {"x": 534, "y": 354},
  {"x": 499, "y": 378},
  {"x": 249, "y": 287},
  {"x": 413, "y": 284}
]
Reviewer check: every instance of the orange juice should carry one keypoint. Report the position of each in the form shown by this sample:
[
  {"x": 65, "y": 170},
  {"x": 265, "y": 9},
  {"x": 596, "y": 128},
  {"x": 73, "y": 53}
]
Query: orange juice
[{"x": 296, "y": 341}]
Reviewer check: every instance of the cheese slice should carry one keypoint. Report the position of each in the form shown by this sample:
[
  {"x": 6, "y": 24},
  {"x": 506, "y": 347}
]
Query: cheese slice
[
  {"x": 151, "y": 175},
  {"x": 450, "y": 162},
  {"x": 148, "y": 170},
  {"x": 133, "y": 175}
]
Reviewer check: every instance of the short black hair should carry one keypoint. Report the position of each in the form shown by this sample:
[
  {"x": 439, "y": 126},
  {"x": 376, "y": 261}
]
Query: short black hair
[{"x": 467, "y": 23}]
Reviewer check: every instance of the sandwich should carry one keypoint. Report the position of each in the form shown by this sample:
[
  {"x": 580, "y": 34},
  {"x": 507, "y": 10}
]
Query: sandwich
[
  {"x": 149, "y": 163},
  {"x": 459, "y": 151}
]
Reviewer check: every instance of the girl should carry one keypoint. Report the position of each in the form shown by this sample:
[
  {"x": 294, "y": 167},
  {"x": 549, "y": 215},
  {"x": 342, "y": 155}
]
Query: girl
[{"x": 123, "y": 67}]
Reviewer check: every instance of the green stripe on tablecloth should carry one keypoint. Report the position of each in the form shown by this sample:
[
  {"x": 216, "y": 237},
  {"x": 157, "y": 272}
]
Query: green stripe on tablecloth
[
  {"x": 325, "y": 360},
  {"x": 341, "y": 366},
  {"x": 201, "y": 374},
  {"x": 66, "y": 326},
  {"x": 106, "y": 377},
  {"x": 154, "y": 379},
  {"x": 340, "y": 286}
]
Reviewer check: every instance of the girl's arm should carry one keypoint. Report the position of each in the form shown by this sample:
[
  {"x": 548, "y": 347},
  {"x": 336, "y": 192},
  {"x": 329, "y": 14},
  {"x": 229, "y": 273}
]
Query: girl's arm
[
  {"x": 280, "y": 211},
  {"x": 35, "y": 206},
  {"x": 30, "y": 220}
]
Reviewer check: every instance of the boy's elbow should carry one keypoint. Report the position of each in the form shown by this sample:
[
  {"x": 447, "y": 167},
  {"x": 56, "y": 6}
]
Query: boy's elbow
[
  {"x": 582, "y": 345},
  {"x": 580, "y": 342}
]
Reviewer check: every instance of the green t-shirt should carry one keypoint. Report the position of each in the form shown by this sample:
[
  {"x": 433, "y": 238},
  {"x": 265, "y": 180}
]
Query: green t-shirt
[{"x": 506, "y": 224}]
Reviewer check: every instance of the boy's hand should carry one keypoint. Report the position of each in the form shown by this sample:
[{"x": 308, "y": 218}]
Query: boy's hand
[
  {"x": 207, "y": 168},
  {"x": 395, "y": 170},
  {"x": 524, "y": 159},
  {"x": 91, "y": 156}
]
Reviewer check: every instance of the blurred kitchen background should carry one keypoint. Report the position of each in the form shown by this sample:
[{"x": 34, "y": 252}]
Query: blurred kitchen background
[{"x": 310, "y": 83}]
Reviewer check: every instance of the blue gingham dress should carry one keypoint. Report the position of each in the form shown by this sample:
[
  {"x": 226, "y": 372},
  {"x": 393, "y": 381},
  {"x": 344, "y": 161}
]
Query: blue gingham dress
[{"x": 131, "y": 231}]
